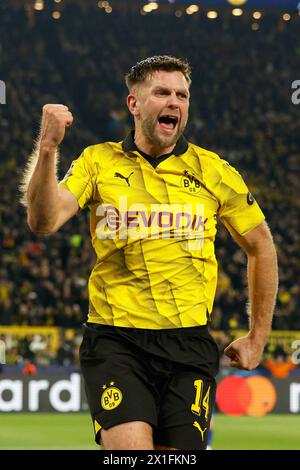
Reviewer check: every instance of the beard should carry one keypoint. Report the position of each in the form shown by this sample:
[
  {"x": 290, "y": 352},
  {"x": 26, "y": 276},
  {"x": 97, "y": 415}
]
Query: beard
[{"x": 150, "y": 131}]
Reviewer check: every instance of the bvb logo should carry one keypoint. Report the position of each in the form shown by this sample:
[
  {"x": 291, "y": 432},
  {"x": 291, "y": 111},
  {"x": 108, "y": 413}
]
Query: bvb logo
[
  {"x": 111, "y": 397},
  {"x": 190, "y": 182}
]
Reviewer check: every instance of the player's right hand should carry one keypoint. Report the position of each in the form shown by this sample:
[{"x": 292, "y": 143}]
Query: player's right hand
[{"x": 55, "y": 119}]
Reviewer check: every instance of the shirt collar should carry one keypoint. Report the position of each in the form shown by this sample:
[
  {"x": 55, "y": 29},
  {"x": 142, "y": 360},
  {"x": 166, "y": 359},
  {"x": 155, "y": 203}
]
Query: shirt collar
[{"x": 181, "y": 146}]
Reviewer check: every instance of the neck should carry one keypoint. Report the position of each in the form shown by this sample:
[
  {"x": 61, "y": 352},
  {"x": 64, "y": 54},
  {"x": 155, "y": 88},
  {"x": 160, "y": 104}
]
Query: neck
[{"x": 150, "y": 148}]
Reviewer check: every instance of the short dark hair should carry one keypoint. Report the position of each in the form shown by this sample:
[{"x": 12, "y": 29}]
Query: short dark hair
[{"x": 141, "y": 70}]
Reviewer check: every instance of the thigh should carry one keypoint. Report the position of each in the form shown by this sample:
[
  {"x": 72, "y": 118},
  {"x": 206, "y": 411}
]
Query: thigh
[
  {"x": 186, "y": 406},
  {"x": 135, "y": 435},
  {"x": 117, "y": 387}
]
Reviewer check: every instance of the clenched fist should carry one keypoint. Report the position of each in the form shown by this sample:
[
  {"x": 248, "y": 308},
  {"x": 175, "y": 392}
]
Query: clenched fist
[
  {"x": 55, "y": 119},
  {"x": 245, "y": 352}
]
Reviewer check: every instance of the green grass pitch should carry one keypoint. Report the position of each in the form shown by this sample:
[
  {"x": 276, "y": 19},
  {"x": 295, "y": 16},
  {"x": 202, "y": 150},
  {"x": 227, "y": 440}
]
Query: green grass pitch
[{"x": 74, "y": 431}]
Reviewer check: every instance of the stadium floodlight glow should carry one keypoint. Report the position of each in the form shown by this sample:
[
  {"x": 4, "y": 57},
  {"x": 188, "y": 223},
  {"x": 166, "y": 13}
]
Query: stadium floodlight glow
[
  {"x": 237, "y": 3},
  {"x": 56, "y": 15},
  {"x": 212, "y": 15},
  {"x": 103, "y": 4},
  {"x": 286, "y": 17},
  {"x": 153, "y": 5},
  {"x": 57, "y": 1},
  {"x": 237, "y": 12},
  {"x": 255, "y": 26},
  {"x": 192, "y": 9},
  {"x": 150, "y": 7},
  {"x": 108, "y": 9},
  {"x": 257, "y": 15},
  {"x": 178, "y": 13},
  {"x": 39, "y": 5}
]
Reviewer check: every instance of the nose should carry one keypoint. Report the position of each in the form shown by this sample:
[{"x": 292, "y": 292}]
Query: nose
[{"x": 173, "y": 101}]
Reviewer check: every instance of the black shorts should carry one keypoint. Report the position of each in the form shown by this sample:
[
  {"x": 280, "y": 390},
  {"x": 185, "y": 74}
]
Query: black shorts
[{"x": 162, "y": 377}]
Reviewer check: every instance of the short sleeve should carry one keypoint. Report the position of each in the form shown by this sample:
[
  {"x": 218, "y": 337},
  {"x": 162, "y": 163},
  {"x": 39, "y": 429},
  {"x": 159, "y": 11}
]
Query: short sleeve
[
  {"x": 238, "y": 208},
  {"x": 79, "y": 179}
]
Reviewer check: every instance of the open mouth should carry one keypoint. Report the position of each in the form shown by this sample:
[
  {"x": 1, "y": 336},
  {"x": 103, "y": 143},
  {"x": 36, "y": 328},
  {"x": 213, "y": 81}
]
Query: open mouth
[{"x": 168, "y": 122}]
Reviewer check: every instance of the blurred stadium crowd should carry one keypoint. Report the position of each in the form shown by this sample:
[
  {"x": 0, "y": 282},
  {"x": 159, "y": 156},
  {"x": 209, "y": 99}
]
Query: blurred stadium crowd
[{"x": 241, "y": 108}]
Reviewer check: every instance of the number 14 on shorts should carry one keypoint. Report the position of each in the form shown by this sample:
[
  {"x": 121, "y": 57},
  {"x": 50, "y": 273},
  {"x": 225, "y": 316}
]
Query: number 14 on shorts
[{"x": 199, "y": 403}]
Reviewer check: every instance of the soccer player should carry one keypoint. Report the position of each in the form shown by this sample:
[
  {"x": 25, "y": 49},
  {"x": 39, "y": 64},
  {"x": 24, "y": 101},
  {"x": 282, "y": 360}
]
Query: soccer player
[{"x": 148, "y": 360}]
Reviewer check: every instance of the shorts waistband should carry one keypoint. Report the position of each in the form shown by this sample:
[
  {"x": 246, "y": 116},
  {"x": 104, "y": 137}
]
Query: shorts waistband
[{"x": 180, "y": 331}]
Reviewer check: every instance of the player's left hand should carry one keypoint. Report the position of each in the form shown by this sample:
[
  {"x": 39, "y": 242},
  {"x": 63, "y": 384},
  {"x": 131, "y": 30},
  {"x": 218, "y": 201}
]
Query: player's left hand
[{"x": 245, "y": 353}]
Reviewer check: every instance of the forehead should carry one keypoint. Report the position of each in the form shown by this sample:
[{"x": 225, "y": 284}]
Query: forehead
[{"x": 161, "y": 78}]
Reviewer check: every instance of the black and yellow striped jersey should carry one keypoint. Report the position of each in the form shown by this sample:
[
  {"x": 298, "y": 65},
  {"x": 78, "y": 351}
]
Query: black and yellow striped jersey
[{"x": 153, "y": 226}]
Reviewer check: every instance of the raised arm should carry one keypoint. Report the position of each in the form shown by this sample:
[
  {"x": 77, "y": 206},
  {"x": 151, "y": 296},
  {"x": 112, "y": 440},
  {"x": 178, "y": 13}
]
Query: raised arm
[
  {"x": 246, "y": 352},
  {"x": 48, "y": 205}
]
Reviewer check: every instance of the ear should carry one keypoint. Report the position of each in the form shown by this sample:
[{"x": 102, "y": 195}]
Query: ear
[{"x": 133, "y": 104}]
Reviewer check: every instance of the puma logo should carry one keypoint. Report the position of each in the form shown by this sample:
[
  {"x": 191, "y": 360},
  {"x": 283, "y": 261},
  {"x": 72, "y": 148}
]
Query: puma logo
[
  {"x": 118, "y": 175},
  {"x": 197, "y": 425}
]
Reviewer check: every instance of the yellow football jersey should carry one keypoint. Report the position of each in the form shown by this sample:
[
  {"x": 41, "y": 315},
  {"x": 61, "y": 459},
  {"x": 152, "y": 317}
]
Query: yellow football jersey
[{"x": 153, "y": 226}]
